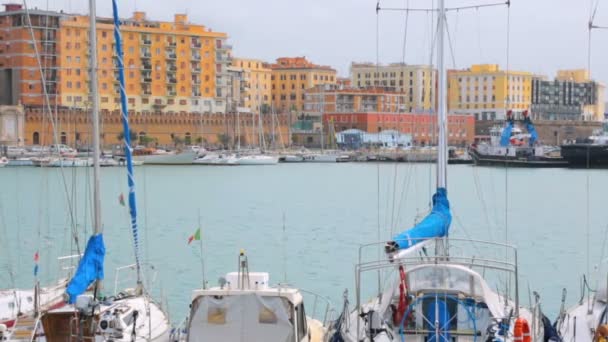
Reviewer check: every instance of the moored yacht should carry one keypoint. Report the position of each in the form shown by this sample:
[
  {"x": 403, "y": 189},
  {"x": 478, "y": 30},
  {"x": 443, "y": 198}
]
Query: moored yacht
[{"x": 244, "y": 307}]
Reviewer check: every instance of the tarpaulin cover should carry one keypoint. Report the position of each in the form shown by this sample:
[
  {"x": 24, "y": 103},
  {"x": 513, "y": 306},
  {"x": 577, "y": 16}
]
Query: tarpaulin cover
[
  {"x": 532, "y": 130},
  {"x": 505, "y": 137},
  {"x": 435, "y": 224},
  {"x": 90, "y": 267}
]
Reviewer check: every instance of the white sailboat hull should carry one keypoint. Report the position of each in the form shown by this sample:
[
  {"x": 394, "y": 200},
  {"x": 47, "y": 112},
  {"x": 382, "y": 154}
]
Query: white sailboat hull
[
  {"x": 180, "y": 158},
  {"x": 17, "y": 303},
  {"x": 257, "y": 160},
  {"x": 217, "y": 159},
  {"x": 70, "y": 162}
]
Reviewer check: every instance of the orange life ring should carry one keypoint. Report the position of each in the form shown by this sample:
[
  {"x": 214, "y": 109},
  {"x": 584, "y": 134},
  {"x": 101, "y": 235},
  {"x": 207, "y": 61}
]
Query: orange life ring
[{"x": 522, "y": 330}]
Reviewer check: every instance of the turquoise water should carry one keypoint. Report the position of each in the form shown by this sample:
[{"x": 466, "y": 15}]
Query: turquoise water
[{"x": 329, "y": 210}]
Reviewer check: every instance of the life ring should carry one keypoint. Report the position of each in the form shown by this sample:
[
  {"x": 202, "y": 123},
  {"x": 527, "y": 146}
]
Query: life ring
[
  {"x": 601, "y": 334},
  {"x": 521, "y": 331}
]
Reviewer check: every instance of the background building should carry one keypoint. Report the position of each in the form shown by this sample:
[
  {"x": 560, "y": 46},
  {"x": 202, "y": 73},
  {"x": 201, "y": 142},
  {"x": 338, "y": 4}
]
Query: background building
[
  {"x": 257, "y": 84},
  {"x": 417, "y": 82},
  {"x": 375, "y": 110},
  {"x": 487, "y": 93},
  {"x": 566, "y": 98},
  {"x": 292, "y": 76}
]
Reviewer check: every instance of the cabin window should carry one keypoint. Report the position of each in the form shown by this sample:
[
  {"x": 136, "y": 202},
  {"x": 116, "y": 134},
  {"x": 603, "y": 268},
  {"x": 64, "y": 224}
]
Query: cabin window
[
  {"x": 302, "y": 326},
  {"x": 267, "y": 316},
  {"x": 216, "y": 316}
]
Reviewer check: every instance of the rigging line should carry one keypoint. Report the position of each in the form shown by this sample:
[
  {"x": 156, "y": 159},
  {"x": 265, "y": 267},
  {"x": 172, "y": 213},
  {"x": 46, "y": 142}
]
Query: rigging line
[
  {"x": 407, "y": 15},
  {"x": 447, "y": 29},
  {"x": 507, "y": 108},
  {"x": 53, "y": 122},
  {"x": 450, "y": 9}
]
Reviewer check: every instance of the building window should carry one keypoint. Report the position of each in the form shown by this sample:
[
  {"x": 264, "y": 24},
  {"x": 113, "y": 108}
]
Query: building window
[{"x": 104, "y": 34}]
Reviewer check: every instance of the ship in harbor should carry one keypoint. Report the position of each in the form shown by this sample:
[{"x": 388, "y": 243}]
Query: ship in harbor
[
  {"x": 510, "y": 146},
  {"x": 590, "y": 153}
]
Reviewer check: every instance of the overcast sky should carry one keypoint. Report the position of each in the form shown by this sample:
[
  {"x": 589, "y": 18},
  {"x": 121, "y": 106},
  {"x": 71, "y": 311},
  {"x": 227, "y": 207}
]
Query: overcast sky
[{"x": 546, "y": 35}]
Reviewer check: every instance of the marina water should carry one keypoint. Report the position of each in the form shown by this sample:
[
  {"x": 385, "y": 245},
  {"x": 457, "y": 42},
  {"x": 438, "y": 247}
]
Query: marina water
[{"x": 329, "y": 210}]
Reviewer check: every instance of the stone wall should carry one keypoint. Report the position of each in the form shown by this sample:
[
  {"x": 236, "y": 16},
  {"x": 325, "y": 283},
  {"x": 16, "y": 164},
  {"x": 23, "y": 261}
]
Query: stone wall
[
  {"x": 12, "y": 126},
  {"x": 550, "y": 132}
]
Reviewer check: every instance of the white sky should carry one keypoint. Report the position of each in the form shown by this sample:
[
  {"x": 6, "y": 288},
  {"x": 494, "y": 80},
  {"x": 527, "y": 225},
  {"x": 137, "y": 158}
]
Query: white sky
[{"x": 546, "y": 35}]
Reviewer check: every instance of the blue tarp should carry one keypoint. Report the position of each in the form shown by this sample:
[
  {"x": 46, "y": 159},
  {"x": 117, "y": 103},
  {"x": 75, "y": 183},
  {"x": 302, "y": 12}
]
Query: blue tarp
[
  {"x": 532, "y": 130},
  {"x": 435, "y": 224},
  {"x": 505, "y": 138},
  {"x": 90, "y": 268}
]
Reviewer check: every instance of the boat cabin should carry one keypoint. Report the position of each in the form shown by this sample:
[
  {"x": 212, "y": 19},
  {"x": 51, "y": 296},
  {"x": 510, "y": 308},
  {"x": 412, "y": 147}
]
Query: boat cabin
[{"x": 245, "y": 308}]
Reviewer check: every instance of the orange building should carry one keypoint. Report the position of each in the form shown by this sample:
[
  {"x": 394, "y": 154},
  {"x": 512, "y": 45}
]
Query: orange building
[
  {"x": 292, "y": 76},
  {"x": 375, "y": 109}
]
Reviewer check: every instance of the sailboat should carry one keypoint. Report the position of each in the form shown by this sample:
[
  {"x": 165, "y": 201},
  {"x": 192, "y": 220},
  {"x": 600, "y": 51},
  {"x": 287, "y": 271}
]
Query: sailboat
[
  {"x": 436, "y": 291},
  {"x": 131, "y": 314}
]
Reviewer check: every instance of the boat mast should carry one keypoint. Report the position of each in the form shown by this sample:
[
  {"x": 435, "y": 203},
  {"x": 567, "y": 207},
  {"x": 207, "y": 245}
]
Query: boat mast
[
  {"x": 442, "y": 155},
  {"x": 97, "y": 228},
  {"x": 95, "y": 117}
]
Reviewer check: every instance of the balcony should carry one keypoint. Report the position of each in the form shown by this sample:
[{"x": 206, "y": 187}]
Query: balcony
[
  {"x": 147, "y": 92},
  {"x": 196, "y": 94},
  {"x": 146, "y": 80},
  {"x": 171, "y": 44},
  {"x": 147, "y": 42},
  {"x": 146, "y": 54},
  {"x": 146, "y": 66},
  {"x": 196, "y": 45},
  {"x": 171, "y": 93},
  {"x": 171, "y": 80},
  {"x": 196, "y": 70},
  {"x": 196, "y": 80},
  {"x": 196, "y": 57},
  {"x": 172, "y": 67}
]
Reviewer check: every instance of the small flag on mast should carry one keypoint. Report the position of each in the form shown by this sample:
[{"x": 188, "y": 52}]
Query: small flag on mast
[
  {"x": 121, "y": 199},
  {"x": 195, "y": 237},
  {"x": 36, "y": 259}
]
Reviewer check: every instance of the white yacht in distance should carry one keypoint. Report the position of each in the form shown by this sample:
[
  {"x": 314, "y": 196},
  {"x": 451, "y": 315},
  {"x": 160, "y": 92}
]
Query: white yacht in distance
[
  {"x": 219, "y": 159},
  {"x": 257, "y": 159},
  {"x": 244, "y": 307},
  {"x": 3, "y": 161}
]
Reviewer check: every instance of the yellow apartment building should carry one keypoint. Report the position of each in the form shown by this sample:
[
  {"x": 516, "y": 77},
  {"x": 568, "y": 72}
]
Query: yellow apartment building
[
  {"x": 417, "y": 82},
  {"x": 169, "y": 66},
  {"x": 487, "y": 92},
  {"x": 290, "y": 79},
  {"x": 256, "y": 81}
]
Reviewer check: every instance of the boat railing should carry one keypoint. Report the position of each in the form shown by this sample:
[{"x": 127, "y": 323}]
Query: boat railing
[
  {"x": 493, "y": 258},
  {"x": 128, "y": 275},
  {"x": 322, "y": 307}
]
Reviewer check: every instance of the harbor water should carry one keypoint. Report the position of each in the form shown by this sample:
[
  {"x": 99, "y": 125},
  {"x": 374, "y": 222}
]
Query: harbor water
[{"x": 303, "y": 223}]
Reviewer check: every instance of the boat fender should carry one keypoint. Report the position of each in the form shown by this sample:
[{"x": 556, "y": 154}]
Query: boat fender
[
  {"x": 521, "y": 331},
  {"x": 601, "y": 334}
]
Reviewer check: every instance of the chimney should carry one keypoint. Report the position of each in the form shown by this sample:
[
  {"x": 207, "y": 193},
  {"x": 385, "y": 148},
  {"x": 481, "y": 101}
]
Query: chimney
[
  {"x": 139, "y": 16},
  {"x": 181, "y": 19}
]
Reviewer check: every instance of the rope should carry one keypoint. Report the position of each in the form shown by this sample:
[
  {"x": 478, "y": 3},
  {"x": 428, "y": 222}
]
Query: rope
[{"x": 53, "y": 121}]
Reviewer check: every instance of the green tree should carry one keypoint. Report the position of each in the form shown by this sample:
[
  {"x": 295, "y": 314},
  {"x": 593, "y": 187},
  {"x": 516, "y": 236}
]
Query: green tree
[
  {"x": 224, "y": 139},
  {"x": 120, "y": 136},
  {"x": 265, "y": 108},
  {"x": 146, "y": 140}
]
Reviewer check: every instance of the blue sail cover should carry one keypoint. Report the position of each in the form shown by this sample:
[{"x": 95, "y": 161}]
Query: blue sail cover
[
  {"x": 532, "y": 130},
  {"x": 435, "y": 224},
  {"x": 90, "y": 268},
  {"x": 126, "y": 134},
  {"x": 505, "y": 138}
]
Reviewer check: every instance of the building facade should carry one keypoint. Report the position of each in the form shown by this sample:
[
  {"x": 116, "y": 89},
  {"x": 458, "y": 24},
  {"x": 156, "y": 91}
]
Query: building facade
[
  {"x": 290, "y": 79},
  {"x": 169, "y": 66},
  {"x": 417, "y": 82},
  {"x": 375, "y": 110},
  {"x": 487, "y": 92},
  {"x": 256, "y": 93},
  {"x": 563, "y": 99},
  {"x": 593, "y": 111}
]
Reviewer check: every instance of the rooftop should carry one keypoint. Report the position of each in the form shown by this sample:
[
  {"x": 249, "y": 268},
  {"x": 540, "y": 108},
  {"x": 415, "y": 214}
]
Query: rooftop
[{"x": 297, "y": 63}]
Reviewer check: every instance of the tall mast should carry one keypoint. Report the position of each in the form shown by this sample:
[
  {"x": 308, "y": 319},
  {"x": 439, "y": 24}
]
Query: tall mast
[
  {"x": 95, "y": 117},
  {"x": 442, "y": 117}
]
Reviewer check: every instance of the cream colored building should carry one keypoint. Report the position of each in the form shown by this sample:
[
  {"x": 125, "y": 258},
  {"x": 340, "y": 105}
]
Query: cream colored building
[
  {"x": 256, "y": 83},
  {"x": 418, "y": 82},
  {"x": 487, "y": 92}
]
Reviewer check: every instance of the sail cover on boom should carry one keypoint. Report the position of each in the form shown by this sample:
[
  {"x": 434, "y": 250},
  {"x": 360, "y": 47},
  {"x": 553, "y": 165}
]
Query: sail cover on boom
[
  {"x": 435, "y": 224},
  {"x": 90, "y": 268},
  {"x": 505, "y": 137},
  {"x": 532, "y": 130}
]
